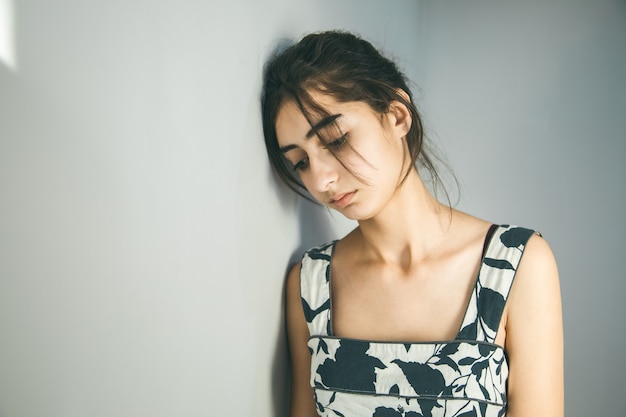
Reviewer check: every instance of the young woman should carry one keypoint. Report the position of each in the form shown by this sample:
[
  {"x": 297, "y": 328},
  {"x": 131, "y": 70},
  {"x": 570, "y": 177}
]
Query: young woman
[{"x": 421, "y": 310}]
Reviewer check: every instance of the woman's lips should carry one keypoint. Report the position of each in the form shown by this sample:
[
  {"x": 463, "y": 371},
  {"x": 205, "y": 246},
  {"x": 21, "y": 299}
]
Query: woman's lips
[{"x": 342, "y": 200}]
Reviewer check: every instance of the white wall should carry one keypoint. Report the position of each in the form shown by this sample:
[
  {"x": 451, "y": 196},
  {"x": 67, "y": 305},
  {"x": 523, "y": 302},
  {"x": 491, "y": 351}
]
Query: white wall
[{"x": 143, "y": 239}]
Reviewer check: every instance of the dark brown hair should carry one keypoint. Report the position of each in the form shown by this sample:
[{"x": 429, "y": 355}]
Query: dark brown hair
[{"x": 346, "y": 67}]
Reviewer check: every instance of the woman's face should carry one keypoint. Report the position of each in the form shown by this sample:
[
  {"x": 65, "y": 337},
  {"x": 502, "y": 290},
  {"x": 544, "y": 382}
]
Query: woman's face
[{"x": 362, "y": 160}]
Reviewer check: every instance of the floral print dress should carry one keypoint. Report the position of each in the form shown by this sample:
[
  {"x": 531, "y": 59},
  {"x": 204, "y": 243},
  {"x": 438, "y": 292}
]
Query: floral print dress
[{"x": 463, "y": 377}]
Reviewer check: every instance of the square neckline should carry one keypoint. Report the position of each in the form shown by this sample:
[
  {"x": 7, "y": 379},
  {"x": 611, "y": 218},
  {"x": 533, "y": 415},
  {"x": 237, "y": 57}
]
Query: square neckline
[{"x": 486, "y": 244}]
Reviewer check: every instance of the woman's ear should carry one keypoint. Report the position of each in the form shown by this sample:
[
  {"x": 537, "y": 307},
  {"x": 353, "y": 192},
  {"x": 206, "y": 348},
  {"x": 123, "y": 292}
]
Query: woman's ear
[{"x": 400, "y": 119}]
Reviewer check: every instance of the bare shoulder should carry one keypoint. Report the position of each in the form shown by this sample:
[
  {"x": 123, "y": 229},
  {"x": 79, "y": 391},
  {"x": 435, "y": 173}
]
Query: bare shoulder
[
  {"x": 538, "y": 266},
  {"x": 534, "y": 334},
  {"x": 536, "y": 287},
  {"x": 538, "y": 249}
]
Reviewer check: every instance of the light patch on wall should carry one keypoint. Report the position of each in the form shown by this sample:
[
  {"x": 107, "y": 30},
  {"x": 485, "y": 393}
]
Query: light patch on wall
[{"x": 7, "y": 34}]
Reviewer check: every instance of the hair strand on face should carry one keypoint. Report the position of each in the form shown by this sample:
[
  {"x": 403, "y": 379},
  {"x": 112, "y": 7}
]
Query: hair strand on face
[{"x": 348, "y": 68}]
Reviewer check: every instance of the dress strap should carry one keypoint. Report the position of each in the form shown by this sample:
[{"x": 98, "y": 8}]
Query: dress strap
[
  {"x": 493, "y": 284},
  {"x": 315, "y": 289}
]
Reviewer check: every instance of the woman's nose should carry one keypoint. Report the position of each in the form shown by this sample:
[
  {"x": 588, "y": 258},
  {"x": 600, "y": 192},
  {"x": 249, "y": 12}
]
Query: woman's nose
[{"x": 323, "y": 171}]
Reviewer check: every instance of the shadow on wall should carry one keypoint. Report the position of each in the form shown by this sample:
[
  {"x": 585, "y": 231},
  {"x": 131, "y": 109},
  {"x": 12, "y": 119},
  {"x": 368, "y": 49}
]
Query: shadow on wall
[
  {"x": 315, "y": 229},
  {"x": 281, "y": 380}
]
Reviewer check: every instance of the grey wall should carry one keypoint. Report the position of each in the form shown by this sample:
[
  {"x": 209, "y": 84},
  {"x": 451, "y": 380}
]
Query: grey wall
[
  {"x": 529, "y": 101},
  {"x": 143, "y": 239}
]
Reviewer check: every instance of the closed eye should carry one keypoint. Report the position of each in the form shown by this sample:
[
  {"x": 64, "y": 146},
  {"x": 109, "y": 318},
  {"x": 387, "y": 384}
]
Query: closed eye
[
  {"x": 337, "y": 142},
  {"x": 301, "y": 164},
  {"x": 334, "y": 145}
]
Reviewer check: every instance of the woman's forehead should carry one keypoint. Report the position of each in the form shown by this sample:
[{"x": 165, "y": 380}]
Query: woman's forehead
[{"x": 291, "y": 124}]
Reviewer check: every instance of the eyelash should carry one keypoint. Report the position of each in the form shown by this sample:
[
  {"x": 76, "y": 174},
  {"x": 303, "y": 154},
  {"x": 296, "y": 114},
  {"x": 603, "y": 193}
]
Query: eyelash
[{"x": 335, "y": 144}]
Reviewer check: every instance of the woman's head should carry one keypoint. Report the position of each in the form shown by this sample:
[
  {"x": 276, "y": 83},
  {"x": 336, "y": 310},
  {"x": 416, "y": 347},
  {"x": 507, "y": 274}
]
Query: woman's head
[{"x": 344, "y": 67}]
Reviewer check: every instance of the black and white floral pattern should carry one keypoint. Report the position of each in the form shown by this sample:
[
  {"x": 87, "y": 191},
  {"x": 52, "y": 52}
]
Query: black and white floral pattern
[{"x": 461, "y": 378}]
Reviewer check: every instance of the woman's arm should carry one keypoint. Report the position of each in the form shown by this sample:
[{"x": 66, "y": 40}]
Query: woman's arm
[
  {"x": 534, "y": 336},
  {"x": 302, "y": 404}
]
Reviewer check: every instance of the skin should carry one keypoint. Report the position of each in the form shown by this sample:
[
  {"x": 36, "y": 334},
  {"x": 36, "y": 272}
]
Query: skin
[{"x": 408, "y": 243}]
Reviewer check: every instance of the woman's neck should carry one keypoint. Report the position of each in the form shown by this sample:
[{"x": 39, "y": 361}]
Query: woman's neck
[{"x": 409, "y": 228}]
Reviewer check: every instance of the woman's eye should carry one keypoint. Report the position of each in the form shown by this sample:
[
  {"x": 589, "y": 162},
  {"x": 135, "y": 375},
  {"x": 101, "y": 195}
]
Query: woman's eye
[
  {"x": 337, "y": 142},
  {"x": 301, "y": 164}
]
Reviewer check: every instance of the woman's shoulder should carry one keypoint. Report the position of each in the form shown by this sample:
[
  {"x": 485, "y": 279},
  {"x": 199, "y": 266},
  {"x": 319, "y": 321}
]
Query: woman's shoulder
[
  {"x": 536, "y": 276},
  {"x": 538, "y": 255},
  {"x": 523, "y": 240},
  {"x": 472, "y": 227},
  {"x": 527, "y": 239}
]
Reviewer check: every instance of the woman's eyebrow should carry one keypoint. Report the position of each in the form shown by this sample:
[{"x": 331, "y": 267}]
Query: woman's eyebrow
[
  {"x": 322, "y": 124},
  {"x": 314, "y": 129},
  {"x": 287, "y": 148}
]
